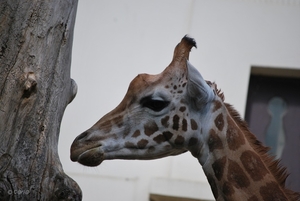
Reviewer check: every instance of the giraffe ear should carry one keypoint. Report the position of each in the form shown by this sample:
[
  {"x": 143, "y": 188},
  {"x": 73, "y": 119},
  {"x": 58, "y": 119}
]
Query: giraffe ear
[{"x": 198, "y": 91}]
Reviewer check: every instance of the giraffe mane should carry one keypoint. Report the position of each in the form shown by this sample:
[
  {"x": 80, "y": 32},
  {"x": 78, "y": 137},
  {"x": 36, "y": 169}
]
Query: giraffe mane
[
  {"x": 273, "y": 165},
  {"x": 217, "y": 91}
]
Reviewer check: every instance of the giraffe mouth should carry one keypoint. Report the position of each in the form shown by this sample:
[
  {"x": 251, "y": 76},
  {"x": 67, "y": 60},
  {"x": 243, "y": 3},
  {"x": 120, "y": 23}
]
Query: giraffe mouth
[
  {"x": 88, "y": 154},
  {"x": 91, "y": 157},
  {"x": 87, "y": 151}
]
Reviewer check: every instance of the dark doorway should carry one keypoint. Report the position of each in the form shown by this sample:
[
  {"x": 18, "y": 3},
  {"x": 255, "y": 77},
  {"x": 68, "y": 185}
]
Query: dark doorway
[{"x": 273, "y": 115}]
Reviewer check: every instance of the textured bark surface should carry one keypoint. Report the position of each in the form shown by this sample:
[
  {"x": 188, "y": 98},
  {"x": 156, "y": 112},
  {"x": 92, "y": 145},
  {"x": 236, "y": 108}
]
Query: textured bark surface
[{"x": 35, "y": 88}]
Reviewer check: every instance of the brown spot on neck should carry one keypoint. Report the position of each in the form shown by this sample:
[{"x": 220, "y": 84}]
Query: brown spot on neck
[
  {"x": 253, "y": 198},
  {"x": 236, "y": 175},
  {"x": 272, "y": 191},
  {"x": 253, "y": 165},
  {"x": 217, "y": 105},
  {"x": 227, "y": 190},
  {"x": 234, "y": 136},
  {"x": 214, "y": 141},
  {"x": 218, "y": 167},
  {"x": 219, "y": 122}
]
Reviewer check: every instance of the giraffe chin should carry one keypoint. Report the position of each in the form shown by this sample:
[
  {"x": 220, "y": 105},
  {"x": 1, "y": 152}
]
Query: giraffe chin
[{"x": 91, "y": 158}]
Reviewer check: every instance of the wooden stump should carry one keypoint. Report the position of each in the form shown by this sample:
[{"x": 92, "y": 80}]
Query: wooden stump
[{"x": 35, "y": 88}]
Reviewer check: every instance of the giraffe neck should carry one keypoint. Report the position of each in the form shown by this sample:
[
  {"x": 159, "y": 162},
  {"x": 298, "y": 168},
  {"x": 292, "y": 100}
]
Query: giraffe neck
[{"x": 233, "y": 164}]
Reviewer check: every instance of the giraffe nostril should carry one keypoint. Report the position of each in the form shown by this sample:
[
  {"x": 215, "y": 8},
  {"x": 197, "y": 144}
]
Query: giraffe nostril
[{"x": 82, "y": 135}]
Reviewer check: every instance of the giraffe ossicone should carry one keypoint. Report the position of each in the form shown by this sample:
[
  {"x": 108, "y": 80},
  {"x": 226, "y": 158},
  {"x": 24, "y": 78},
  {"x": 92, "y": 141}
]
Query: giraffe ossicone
[{"x": 178, "y": 111}]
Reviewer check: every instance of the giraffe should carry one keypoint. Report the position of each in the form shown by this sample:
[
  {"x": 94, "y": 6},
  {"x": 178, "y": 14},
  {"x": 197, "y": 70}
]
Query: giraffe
[{"x": 178, "y": 111}]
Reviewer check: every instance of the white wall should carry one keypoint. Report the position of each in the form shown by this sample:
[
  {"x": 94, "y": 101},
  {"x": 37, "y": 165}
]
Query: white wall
[{"x": 115, "y": 40}]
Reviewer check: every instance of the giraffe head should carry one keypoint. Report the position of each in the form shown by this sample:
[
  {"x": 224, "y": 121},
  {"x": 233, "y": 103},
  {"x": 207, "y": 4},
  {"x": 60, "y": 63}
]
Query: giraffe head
[{"x": 155, "y": 119}]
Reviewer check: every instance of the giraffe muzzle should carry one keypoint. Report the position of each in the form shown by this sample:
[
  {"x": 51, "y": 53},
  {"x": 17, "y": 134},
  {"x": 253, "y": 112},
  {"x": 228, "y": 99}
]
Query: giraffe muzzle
[
  {"x": 86, "y": 152},
  {"x": 91, "y": 157}
]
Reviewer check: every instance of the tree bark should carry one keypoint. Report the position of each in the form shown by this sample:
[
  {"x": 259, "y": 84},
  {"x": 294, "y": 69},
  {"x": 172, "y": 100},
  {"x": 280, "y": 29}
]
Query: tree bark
[{"x": 35, "y": 88}]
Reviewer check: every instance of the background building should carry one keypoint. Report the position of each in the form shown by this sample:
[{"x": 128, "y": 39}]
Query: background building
[{"x": 115, "y": 40}]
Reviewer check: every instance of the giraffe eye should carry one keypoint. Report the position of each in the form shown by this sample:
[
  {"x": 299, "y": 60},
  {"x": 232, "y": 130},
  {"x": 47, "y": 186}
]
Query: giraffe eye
[{"x": 154, "y": 104}]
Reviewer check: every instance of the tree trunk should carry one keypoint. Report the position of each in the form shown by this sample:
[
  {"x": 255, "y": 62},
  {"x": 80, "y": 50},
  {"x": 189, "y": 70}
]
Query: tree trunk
[{"x": 35, "y": 88}]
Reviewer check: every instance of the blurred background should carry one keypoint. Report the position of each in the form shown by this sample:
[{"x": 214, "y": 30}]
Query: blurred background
[{"x": 245, "y": 46}]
